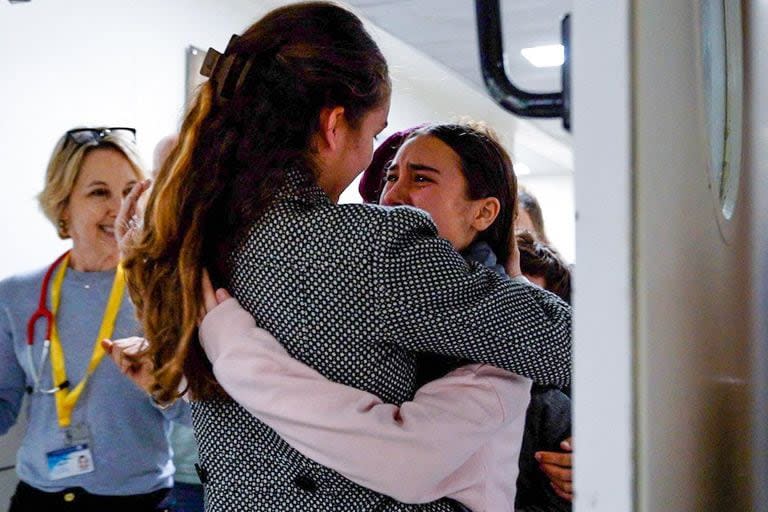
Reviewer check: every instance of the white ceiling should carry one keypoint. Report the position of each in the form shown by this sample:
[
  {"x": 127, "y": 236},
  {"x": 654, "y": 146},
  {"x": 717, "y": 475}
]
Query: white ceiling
[{"x": 446, "y": 31}]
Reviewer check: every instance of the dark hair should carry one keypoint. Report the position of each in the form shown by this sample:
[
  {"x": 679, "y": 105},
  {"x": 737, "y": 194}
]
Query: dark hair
[
  {"x": 372, "y": 180},
  {"x": 488, "y": 170},
  {"x": 231, "y": 158},
  {"x": 541, "y": 260},
  {"x": 530, "y": 204}
]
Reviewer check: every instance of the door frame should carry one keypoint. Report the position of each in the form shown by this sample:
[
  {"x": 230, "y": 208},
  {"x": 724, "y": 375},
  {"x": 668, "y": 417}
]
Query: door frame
[{"x": 604, "y": 390}]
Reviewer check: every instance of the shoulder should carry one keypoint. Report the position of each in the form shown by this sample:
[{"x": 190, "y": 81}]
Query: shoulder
[
  {"x": 407, "y": 217},
  {"x": 384, "y": 224},
  {"x": 395, "y": 215},
  {"x": 20, "y": 285},
  {"x": 402, "y": 224},
  {"x": 358, "y": 213}
]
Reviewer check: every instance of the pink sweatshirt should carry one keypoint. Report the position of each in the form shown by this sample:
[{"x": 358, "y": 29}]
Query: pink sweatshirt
[{"x": 459, "y": 437}]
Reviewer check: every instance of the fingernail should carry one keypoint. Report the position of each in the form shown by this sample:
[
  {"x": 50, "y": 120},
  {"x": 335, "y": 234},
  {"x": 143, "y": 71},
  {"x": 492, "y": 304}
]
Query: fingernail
[{"x": 537, "y": 457}]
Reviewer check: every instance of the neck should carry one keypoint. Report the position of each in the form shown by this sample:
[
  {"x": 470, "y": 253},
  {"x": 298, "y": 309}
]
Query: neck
[
  {"x": 89, "y": 262},
  {"x": 329, "y": 186},
  {"x": 326, "y": 179}
]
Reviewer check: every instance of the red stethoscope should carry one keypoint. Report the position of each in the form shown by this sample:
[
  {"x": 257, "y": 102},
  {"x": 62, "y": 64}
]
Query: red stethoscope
[{"x": 43, "y": 313}]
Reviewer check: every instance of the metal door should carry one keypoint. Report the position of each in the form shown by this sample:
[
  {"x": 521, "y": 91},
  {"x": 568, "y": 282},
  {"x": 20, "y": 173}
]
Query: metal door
[{"x": 670, "y": 399}]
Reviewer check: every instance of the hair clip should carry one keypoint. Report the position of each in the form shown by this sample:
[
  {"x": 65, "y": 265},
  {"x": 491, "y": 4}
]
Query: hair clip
[
  {"x": 227, "y": 70},
  {"x": 209, "y": 64}
]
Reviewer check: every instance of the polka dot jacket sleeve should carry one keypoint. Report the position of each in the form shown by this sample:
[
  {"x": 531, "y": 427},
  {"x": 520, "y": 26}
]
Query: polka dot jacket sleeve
[{"x": 429, "y": 299}]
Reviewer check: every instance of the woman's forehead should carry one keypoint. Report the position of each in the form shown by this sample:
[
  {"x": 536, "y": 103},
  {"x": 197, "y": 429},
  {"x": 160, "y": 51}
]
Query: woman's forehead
[
  {"x": 428, "y": 148},
  {"x": 106, "y": 164}
]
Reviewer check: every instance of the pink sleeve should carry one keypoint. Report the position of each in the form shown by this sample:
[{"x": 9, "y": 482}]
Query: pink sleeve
[{"x": 406, "y": 452}]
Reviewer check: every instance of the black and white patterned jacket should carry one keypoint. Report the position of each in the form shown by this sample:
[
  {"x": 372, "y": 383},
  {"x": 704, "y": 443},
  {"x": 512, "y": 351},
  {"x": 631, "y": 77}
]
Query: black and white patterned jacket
[{"x": 354, "y": 291}]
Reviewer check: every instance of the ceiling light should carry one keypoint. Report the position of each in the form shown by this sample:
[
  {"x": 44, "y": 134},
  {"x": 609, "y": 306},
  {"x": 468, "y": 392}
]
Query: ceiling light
[{"x": 547, "y": 56}]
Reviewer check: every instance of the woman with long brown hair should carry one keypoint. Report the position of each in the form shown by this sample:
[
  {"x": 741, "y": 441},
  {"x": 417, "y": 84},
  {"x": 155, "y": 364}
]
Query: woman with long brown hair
[{"x": 282, "y": 127}]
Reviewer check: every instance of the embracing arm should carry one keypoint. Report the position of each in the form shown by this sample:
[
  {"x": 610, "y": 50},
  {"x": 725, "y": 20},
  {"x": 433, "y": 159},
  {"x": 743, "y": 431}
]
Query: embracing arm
[
  {"x": 429, "y": 299},
  {"x": 406, "y": 452}
]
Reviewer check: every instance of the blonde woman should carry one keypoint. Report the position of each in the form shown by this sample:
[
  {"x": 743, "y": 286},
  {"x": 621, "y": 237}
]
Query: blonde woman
[{"x": 94, "y": 440}]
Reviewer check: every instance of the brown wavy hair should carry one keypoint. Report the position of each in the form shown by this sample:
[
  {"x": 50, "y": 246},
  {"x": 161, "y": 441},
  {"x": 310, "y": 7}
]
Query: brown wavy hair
[{"x": 230, "y": 160}]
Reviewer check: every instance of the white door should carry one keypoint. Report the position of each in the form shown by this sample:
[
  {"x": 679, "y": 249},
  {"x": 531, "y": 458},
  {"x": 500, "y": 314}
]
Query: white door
[{"x": 670, "y": 293}]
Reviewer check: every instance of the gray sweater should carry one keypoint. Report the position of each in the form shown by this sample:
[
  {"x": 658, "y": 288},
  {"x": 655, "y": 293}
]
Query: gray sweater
[{"x": 129, "y": 434}]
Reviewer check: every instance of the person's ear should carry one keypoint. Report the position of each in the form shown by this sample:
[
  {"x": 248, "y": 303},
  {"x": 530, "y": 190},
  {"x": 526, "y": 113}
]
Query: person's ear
[
  {"x": 64, "y": 214},
  {"x": 62, "y": 224},
  {"x": 331, "y": 120},
  {"x": 486, "y": 211}
]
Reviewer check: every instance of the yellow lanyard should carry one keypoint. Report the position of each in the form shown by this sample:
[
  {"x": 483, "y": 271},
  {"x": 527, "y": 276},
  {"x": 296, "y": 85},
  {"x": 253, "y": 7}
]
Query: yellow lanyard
[{"x": 66, "y": 399}]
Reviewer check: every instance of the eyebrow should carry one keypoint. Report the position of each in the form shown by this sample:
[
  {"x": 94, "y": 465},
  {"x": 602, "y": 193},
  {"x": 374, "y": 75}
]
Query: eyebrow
[
  {"x": 99, "y": 183},
  {"x": 413, "y": 167},
  {"x": 422, "y": 167}
]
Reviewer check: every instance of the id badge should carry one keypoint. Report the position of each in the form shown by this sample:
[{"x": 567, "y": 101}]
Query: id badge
[
  {"x": 70, "y": 461},
  {"x": 75, "y": 458}
]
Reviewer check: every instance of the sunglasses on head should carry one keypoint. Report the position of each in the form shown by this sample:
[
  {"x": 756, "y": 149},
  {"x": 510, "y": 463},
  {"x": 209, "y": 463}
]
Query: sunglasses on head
[{"x": 86, "y": 135}]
